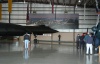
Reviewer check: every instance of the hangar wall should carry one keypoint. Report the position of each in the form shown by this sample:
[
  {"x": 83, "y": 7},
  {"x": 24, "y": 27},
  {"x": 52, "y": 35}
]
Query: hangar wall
[{"x": 19, "y": 10}]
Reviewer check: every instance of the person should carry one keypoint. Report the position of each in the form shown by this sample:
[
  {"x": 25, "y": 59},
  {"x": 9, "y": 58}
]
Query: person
[
  {"x": 35, "y": 35},
  {"x": 82, "y": 43},
  {"x": 89, "y": 41},
  {"x": 59, "y": 37},
  {"x": 35, "y": 40},
  {"x": 77, "y": 41},
  {"x": 26, "y": 40}
]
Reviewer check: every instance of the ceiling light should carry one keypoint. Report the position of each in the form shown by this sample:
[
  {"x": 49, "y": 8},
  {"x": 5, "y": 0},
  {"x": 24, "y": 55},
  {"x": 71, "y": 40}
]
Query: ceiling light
[
  {"x": 24, "y": 1},
  {"x": 79, "y": 0},
  {"x": 50, "y": 4}
]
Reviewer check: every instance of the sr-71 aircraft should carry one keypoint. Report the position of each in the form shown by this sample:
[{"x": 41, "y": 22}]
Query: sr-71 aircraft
[
  {"x": 41, "y": 29},
  {"x": 9, "y": 29}
]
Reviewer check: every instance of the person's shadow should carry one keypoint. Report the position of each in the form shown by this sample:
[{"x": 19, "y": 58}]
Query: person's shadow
[
  {"x": 26, "y": 54},
  {"x": 89, "y": 59}
]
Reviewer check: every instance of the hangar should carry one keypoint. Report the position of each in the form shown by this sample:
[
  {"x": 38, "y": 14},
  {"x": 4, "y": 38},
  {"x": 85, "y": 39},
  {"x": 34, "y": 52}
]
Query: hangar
[{"x": 67, "y": 17}]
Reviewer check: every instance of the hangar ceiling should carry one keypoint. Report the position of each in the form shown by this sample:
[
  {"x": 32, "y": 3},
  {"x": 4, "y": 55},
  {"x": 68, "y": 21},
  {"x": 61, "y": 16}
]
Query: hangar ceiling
[{"x": 89, "y": 3}]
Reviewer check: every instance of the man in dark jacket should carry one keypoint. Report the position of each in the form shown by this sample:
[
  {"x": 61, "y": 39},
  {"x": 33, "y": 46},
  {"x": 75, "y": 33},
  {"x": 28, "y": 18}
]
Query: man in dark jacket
[
  {"x": 26, "y": 40},
  {"x": 59, "y": 37},
  {"x": 89, "y": 41},
  {"x": 77, "y": 41},
  {"x": 82, "y": 43}
]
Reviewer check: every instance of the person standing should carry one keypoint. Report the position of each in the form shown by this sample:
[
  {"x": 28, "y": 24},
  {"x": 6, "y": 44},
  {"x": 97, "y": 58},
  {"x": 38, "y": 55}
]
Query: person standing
[
  {"x": 26, "y": 40},
  {"x": 89, "y": 41},
  {"x": 82, "y": 43},
  {"x": 59, "y": 37},
  {"x": 77, "y": 41},
  {"x": 35, "y": 40}
]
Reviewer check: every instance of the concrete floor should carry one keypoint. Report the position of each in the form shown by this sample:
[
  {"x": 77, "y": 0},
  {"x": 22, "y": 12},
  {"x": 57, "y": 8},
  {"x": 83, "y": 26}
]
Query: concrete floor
[{"x": 45, "y": 54}]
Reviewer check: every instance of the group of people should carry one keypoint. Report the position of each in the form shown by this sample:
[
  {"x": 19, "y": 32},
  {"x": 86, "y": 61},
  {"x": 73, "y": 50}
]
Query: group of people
[
  {"x": 80, "y": 42},
  {"x": 27, "y": 40},
  {"x": 87, "y": 41}
]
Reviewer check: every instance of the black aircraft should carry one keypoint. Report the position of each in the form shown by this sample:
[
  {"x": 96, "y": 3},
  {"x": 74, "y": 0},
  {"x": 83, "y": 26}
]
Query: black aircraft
[
  {"x": 41, "y": 29},
  {"x": 9, "y": 29}
]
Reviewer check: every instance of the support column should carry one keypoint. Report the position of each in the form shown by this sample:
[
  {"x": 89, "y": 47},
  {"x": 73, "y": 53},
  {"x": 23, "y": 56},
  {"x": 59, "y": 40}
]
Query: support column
[
  {"x": 87, "y": 30},
  {"x": 99, "y": 49},
  {"x": 9, "y": 17},
  {"x": 52, "y": 6},
  {"x": 30, "y": 7},
  {"x": 74, "y": 9},
  {"x": 55, "y": 11},
  {"x": 0, "y": 11},
  {"x": 73, "y": 37},
  {"x": 9, "y": 8},
  {"x": 84, "y": 11},
  {"x": 51, "y": 38},
  {"x": 97, "y": 20}
]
